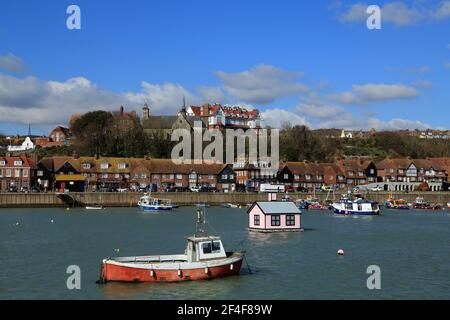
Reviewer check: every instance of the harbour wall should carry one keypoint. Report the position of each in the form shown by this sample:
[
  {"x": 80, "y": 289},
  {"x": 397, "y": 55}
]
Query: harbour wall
[{"x": 118, "y": 199}]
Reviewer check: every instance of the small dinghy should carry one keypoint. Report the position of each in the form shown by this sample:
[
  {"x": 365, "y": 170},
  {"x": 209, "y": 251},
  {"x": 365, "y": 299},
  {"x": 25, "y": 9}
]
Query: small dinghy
[
  {"x": 94, "y": 207},
  {"x": 204, "y": 258}
]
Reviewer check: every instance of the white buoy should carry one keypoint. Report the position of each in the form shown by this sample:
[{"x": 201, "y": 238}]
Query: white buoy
[
  {"x": 17, "y": 223},
  {"x": 340, "y": 252},
  {"x": 52, "y": 221},
  {"x": 206, "y": 270},
  {"x": 117, "y": 250},
  {"x": 179, "y": 272},
  {"x": 231, "y": 266},
  {"x": 151, "y": 273}
]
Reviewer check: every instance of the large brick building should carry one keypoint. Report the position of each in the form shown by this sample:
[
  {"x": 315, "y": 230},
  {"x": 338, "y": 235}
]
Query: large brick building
[{"x": 16, "y": 173}]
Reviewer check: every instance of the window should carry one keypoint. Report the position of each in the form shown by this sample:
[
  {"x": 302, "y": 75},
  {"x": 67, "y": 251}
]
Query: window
[
  {"x": 210, "y": 177},
  {"x": 206, "y": 247},
  {"x": 136, "y": 175},
  {"x": 40, "y": 173},
  {"x": 143, "y": 176},
  {"x": 290, "y": 220},
  {"x": 275, "y": 220},
  {"x": 104, "y": 165},
  {"x": 18, "y": 162},
  {"x": 372, "y": 171},
  {"x": 17, "y": 173},
  {"x": 25, "y": 173},
  {"x": 286, "y": 176},
  {"x": 179, "y": 176},
  {"x": 122, "y": 165},
  {"x": 86, "y": 166},
  {"x": 256, "y": 220},
  {"x": 231, "y": 176},
  {"x": 2, "y": 162},
  {"x": 216, "y": 246},
  {"x": 224, "y": 176},
  {"x": 104, "y": 176},
  {"x": 117, "y": 176}
]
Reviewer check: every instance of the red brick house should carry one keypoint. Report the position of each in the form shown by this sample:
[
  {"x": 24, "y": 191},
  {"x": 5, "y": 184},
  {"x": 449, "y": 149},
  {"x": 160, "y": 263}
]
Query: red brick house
[{"x": 16, "y": 173}]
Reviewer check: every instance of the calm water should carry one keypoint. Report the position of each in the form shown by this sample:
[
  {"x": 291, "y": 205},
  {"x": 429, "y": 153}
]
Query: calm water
[{"x": 411, "y": 248}]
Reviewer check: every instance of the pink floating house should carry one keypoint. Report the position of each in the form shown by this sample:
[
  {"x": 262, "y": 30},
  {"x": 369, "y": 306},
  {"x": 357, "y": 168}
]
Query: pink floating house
[{"x": 274, "y": 216}]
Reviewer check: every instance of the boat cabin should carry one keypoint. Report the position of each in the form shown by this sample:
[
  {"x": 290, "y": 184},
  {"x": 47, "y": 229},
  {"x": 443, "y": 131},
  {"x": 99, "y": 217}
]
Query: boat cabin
[
  {"x": 274, "y": 216},
  {"x": 204, "y": 248}
]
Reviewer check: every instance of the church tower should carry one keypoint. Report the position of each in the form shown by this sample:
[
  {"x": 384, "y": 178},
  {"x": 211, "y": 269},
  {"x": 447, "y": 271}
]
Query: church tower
[{"x": 145, "y": 112}]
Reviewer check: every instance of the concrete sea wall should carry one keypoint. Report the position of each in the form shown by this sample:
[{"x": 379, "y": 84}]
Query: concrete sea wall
[{"x": 17, "y": 200}]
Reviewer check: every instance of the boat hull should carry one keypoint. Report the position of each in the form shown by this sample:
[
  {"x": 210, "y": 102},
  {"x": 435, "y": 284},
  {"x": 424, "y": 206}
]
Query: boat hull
[
  {"x": 111, "y": 271},
  {"x": 154, "y": 208},
  {"x": 352, "y": 212}
]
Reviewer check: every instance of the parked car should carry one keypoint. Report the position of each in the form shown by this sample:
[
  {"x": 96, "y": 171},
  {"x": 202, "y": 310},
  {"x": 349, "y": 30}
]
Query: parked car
[
  {"x": 181, "y": 189},
  {"x": 377, "y": 188},
  {"x": 208, "y": 189},
  {"x": 194, "y": 189},
  {"x": 302, "y": 189},
  {"x": 289, "y": 188},
  {"x": 121, "y": 189}
]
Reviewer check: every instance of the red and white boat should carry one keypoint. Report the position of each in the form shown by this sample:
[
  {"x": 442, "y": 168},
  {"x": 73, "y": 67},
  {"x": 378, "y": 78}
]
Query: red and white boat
[{"x": 204, "y": 258}]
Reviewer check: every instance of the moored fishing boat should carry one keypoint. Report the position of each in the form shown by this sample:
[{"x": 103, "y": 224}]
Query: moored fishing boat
[
  {"x": 148, "y": 203},
  {"x": 204, "y": 258},
  {"x": 393, "y": 203},
  {"x": 421, "y": 204},
  {"x": 356, "y": 206}
]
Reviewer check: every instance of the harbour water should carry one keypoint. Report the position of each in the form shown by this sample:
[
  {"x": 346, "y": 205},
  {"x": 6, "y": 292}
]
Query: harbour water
[{"x": 412, "y": 249}]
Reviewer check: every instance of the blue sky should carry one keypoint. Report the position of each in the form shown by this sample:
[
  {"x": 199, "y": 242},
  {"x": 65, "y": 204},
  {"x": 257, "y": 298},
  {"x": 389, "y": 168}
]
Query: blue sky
[{"x": 313, "y": 63}]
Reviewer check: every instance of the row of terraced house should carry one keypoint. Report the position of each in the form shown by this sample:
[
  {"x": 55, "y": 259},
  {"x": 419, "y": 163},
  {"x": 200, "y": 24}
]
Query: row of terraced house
[{"x": 109, "y": 173}]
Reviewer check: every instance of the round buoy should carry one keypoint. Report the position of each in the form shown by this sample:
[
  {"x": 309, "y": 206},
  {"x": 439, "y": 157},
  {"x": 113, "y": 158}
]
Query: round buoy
[
  {"x": 231, "y": 266},
  {"x": 340, "y": 252},
  {"x": 206, "y": 270},
  {"x": 117, "y": 250},
  {"x": 67, "y": 208},
  {"x": 52, "y": 221},
  {"x": 16, "y": 224}
]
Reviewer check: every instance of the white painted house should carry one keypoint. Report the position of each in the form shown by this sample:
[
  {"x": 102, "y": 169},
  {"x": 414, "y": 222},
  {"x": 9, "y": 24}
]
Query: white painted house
[{"x": 26, "y": 145}]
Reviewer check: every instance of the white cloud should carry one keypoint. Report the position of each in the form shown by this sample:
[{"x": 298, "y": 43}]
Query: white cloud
[
  {"x": 48, "y": 102},
  {"x": 277, "y": 117},
  {"x": 399, "y": 13},
  {"x": 373, "y": 92},
  {"x": 162, "y": 99},
  {"x": 12, "y": 63},
  {"x": 397, "y": 124},
  {"x": 262, "y": 84},
  {"x": 443, "y": 11},
  {"x": 318, "y": 110},
  {"x": 212, "y": 94}
]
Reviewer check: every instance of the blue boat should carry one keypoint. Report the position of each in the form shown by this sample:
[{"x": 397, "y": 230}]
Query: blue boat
[
  {"x": 148, "y": 203},
  {"x": 357, "y": 206}
]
